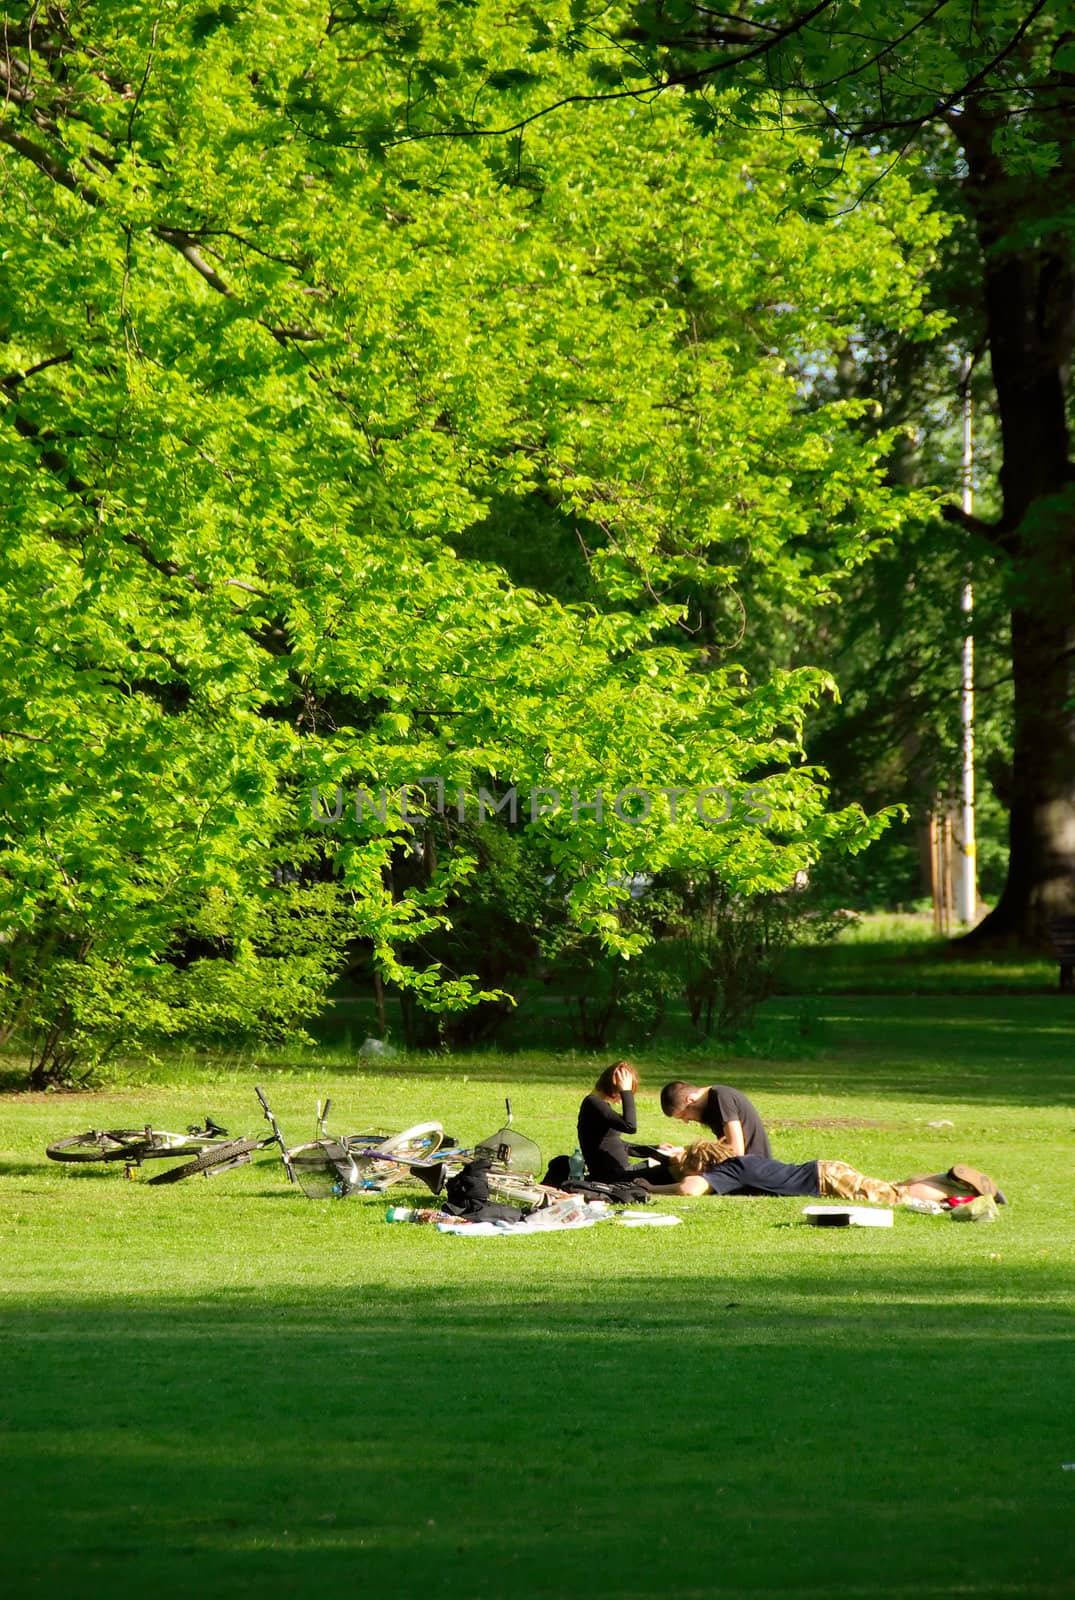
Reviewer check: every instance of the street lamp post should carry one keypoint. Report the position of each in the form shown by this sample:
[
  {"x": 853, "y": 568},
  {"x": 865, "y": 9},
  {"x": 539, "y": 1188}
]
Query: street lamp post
[{"x": 967, "y": 889}]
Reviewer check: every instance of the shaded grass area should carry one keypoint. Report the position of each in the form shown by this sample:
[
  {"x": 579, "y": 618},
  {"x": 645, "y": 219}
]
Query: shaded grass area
[
  {"x": 879, "y": 954},
  {"x": 484, "y": 1443},
  {"x": 224, "y": 1386},
  {"x": 891, "y": 954},
  {"x": 1017, "y": 1050}
]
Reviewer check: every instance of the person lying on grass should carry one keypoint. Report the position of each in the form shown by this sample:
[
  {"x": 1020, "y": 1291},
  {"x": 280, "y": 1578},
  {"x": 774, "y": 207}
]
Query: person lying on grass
[
  {"x": 726, "y": 1112},
  {"x": 712, "y": 1167}
]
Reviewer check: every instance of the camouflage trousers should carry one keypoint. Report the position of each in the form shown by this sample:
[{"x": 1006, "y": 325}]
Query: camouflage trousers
[{"x": 837, "y": 1181}]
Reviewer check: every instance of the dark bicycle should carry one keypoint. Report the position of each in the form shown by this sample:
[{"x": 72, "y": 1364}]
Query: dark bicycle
[{"x": 135, "y": 1145}]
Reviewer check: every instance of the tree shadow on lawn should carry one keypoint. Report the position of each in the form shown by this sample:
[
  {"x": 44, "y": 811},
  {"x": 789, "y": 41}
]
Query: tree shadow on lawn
[{"x": 798, "y": 1434}]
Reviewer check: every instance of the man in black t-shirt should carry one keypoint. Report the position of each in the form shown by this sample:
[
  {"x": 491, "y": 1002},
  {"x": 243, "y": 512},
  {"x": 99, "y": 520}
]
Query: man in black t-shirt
[{"x": 726, "y": 1112}]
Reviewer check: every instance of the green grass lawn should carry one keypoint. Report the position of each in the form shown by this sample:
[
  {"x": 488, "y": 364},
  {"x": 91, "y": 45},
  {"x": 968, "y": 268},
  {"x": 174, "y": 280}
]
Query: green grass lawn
[
  {"x": 222, "y": 1387},
  {"x": 877, "y": 954},
  {"x": 902, "y": 954}
]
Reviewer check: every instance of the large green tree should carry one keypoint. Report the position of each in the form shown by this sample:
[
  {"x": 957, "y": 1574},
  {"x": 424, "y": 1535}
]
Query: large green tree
[
  {"x": 989, "y": 95},
  {"x": 984, "y": 99},
  {"x": 260, "y": 377}
]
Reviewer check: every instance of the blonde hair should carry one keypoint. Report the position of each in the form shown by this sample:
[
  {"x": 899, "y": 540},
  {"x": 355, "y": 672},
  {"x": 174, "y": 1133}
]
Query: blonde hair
[{"x": 701, "y": 1156}]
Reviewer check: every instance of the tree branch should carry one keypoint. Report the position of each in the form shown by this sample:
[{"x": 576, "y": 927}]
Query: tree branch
[
  {"x": 176, "y": 238},
  {"x": 142, "y": 86},
  {"x": 751, "y": 28},
  {"x": 999, "y": 533},
  {"x": 48, "y": 165},
  {"x": 13, "y": 379},
  {"x": 657, "y": 86},
  {"x": 944, "y": 107},
  {"x": 188, "y": 249},
  {"x": 56, "y": 463},
  {"x": 886, "y": 49}
]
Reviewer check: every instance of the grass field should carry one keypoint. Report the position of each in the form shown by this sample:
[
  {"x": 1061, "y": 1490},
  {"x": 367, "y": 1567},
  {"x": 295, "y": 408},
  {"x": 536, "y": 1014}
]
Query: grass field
[
  {"x": 877, "y": 954},
  {"x": 223, "y": 1387},
  {"x": 891, "y": 954}
]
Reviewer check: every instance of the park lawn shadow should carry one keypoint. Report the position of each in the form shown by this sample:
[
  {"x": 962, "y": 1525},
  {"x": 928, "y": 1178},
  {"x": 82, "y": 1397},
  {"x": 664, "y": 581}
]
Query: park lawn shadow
[
  {"x": 1011, "y": 1050},
  {"x": 817, "y": 1431},
  {"x": 911, "y": 967}
]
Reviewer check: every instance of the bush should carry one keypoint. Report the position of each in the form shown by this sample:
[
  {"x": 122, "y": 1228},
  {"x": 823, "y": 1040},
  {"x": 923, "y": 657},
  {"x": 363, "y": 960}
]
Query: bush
[{"x": 721, "y": 949}]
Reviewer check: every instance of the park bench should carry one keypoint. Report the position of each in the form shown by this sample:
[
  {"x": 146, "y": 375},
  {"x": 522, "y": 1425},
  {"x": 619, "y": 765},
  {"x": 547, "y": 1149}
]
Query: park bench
[{"x": 1062, "y": 935}]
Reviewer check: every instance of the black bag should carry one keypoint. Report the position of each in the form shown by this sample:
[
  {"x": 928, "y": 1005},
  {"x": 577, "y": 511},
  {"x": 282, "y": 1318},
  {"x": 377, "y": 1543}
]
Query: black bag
[
  {"x": 617, "y": 1194},
  {"x": 467, "y": 1195},
  {"x": 627, "y": 1193},
  {"x": 559, "y": 1172}
]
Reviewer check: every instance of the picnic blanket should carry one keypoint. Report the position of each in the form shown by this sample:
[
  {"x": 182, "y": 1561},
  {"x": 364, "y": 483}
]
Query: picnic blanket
[{"x": 538, "y": 1223}]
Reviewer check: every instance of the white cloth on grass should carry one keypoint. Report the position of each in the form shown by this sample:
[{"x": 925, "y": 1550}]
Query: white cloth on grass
[
  {"x": 646, "y": 1219},
  {"x": 515, "y": 1230}
]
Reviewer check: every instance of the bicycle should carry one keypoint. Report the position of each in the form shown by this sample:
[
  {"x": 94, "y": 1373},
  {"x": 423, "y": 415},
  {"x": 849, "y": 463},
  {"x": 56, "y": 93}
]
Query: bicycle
[
  {"x": 324, "y": 1167},
  {"x": 338, "y": 1166},
  {"x": 370, "y": 1163},
  {"x": 239, "y": 1152},
  {"x": 135, "y": 1145},
  {"x": 511, "y": 1162},
  {"x": 333, "y": 1167}
]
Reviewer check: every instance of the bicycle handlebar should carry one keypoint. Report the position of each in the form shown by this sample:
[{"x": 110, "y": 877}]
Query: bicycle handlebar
[{"x": 277, "y": 1135}]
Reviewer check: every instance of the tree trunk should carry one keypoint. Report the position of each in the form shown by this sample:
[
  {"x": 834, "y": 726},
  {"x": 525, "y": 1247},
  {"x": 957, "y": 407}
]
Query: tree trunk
[
  {"x": 1041, "y": 840},
  {"x": 1030, "y": 309}
]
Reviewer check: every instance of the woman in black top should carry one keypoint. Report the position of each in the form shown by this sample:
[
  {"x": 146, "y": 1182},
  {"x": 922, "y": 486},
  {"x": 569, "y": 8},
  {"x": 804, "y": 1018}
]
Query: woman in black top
[{"x": 601, "y": 1126}]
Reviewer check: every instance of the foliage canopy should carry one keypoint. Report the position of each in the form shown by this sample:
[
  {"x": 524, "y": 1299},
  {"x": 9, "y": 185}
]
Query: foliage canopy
[{"x": 259, "y": 376}]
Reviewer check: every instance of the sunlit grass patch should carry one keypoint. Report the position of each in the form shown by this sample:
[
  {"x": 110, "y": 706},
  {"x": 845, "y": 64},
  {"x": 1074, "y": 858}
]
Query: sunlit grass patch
[{"x": 225, "y": 1379}]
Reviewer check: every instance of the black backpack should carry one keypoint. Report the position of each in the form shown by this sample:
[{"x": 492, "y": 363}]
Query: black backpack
[
  {"x": 627, "y": 1193},
  {"x": 467, "y": 1195},
  {"x": 617, "y": 1194},
  {"x": 559, "y": 1172}
]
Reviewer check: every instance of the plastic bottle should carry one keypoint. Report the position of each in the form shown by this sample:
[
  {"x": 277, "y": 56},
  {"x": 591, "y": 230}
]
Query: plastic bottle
[
  {"x": 577, "y": 1164},
  {"x": 410, "y": 1214}
]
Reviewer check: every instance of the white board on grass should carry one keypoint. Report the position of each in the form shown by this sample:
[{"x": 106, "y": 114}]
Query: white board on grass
[{"x": 848, "y": 1216}]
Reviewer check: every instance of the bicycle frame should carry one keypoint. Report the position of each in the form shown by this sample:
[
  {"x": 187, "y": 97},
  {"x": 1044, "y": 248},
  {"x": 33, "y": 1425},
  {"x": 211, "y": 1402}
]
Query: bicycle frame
[
  {"x": 328, "y": 1166},
  {"x": 276, "y": 1133}
]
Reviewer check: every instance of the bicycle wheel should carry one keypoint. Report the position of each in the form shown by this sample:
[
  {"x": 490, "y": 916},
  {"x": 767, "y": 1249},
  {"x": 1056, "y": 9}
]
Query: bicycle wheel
[
  {"x": 325, "y": 1169},
  {"x": 412, "y": 1145},
  {"x": 98, "y": 1145},
  {"x": 237, "y": 1151}
]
